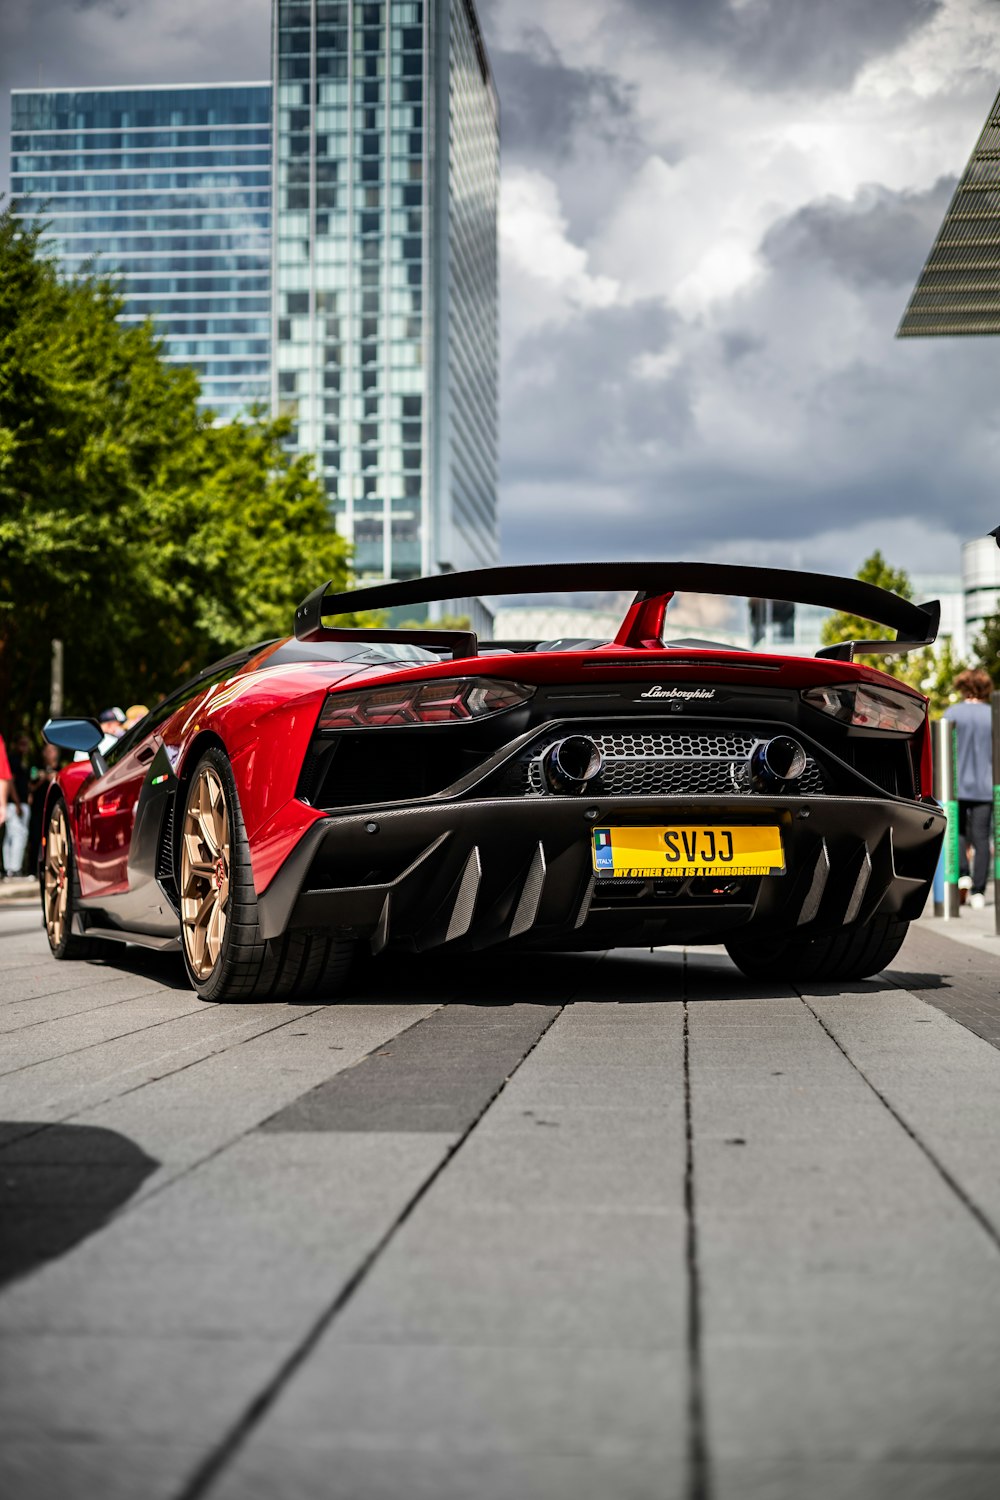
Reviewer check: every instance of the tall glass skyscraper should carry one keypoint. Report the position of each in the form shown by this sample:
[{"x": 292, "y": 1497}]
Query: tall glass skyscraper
[
  {"x": 386, "y": 147},
  {"x": 170, "y": 187}
]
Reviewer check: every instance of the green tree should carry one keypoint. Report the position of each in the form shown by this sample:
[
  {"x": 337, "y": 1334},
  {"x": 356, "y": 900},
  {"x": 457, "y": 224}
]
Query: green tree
[
  {"x": 931, "y": 670},
  {"x": 987, "y": 648},
  {"x": 446, "y": 622},
  {"x": 146, "y": 535}
]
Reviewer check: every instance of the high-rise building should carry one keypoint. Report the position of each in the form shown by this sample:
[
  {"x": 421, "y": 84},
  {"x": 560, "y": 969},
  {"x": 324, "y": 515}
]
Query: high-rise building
[
  {"x": 169, "y": 187},
  {"x": 957, "y": 290},
  {"x": 385, "y": 276}
]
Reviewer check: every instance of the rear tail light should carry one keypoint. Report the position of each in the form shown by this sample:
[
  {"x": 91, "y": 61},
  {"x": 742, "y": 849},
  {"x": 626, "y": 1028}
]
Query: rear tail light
[
  {"x": 869, "y": 707},
  {"x": 448, "y": 700}
]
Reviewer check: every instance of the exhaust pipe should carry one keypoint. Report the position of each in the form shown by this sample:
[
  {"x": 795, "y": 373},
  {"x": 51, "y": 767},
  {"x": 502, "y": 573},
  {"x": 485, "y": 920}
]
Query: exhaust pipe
[
  {"x": 570, "y": 765},
  {"x": 775, "y": 764}
]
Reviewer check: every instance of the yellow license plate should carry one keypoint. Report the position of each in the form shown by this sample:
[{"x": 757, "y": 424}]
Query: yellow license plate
[{"x": 631, "y": 853}]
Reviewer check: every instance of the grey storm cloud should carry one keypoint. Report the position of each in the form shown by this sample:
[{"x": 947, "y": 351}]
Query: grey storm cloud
[
  {"x": 783, "y": 44},
  {"x": 576, "y": 406},
  {"x": 871, "y": 431},
  {"x": 545, "y": 102},
  {"x": 877, "y": 237}
]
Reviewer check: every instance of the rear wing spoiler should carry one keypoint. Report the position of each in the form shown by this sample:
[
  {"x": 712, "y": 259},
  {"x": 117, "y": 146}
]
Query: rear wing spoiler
[{"x": 655, "y": 583}]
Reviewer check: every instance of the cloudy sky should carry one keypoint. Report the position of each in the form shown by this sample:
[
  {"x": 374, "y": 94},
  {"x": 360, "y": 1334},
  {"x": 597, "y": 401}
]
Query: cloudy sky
[{"x": 713, "y": 212}]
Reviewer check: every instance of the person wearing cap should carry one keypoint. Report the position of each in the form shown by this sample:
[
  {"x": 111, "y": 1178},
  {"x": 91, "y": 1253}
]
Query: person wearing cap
[
  {"x": 134, "y": 713},
  {"x": 112, "y": 721},
  {"x": 973, "y": 720}
]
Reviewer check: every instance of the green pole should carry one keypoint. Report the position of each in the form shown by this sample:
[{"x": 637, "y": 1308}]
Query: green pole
[
  {"x": 946, "y": 791},
  {"x": 995, "y": 708}
]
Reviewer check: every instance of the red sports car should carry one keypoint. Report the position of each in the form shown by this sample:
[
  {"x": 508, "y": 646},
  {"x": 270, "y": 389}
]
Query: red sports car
[{"x": 416, "y": 789}]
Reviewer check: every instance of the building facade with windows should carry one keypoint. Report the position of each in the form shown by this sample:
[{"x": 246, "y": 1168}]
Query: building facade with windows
[
  {"x": 386, "y": 162},
  {"x": 169, "y": 187}
]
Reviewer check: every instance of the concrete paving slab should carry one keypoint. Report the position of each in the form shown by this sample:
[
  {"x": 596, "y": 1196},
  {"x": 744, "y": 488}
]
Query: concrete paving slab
[
  {"x": 509, "y": 1400},
  {"x": 48, "y": 978},
  {"x": 195, "y": 1110},
  {"x": 58, "y": 1088},
  {"x": 46, "y": 1008},
  {"x": 258, "y": 1241},
  {"x": 432, "y": 1076},
  {"x": 556, "y": 1162},
  {"x": 846, "y": 1480},
  {"x": 565, "y": 1279},
  {"x": 826, "y": 1258},
  {"x": 870, "y": 1403},
  {"x": 91, "y": 1470},
  {"x": 932, "y": 1076},
  {"x": 96, "y": 1388},
  {"x": 76, "y": 1033},
  {"x": 303, "y": 1474}
]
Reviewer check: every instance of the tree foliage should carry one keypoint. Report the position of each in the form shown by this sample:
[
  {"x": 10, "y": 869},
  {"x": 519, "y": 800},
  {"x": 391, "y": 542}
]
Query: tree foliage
[
  {"x": 931, "y": 670},
  {"x": 147, "y": 536},
  {"x": 987, "y": 648},
  {"x": 446, "y": 622}
]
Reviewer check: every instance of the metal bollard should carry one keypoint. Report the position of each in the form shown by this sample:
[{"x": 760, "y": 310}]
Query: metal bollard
[
  {"x": 946, "y": 792},
  {"x": 995, "y": 707}
]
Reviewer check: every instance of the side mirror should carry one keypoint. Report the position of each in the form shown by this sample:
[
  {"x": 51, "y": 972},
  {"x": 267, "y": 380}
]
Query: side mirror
[{"x": 78, "y": 735}]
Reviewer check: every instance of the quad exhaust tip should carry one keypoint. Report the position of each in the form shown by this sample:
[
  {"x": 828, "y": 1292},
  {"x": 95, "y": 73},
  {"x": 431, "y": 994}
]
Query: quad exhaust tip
[{"x": 570, "y": 765}]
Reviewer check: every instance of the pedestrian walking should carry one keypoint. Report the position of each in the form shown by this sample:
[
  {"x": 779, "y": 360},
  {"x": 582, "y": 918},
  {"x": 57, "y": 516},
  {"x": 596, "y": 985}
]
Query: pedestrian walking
[
  {"x": 975, "y": 779},
  {"x": 15, "y": 831},
  {"x": 4, "y": 793}
]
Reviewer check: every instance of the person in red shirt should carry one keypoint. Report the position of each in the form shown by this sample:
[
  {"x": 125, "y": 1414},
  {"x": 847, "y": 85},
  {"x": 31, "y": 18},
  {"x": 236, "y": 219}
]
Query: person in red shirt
[{"x": 5, "y": 779}]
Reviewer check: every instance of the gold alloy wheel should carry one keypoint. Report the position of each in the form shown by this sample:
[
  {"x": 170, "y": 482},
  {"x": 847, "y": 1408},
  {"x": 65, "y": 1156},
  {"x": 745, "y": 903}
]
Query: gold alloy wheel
[
  {"x": 205, "y": 872},
  {"x": 56, "y": 877}
]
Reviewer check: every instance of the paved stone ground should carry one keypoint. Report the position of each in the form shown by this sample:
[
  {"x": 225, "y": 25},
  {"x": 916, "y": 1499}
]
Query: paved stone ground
[{"x": 618, "y": 1227}]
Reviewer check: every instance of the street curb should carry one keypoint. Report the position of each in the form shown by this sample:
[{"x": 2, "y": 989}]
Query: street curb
[{"x": 18, "y": 888}]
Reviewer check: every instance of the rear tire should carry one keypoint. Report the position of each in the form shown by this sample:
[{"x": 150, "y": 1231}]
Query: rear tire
[
  {"x": 224, "y": 954},
  {"x": 60, "y": 891},
  {"x": 854, "y": 953}
]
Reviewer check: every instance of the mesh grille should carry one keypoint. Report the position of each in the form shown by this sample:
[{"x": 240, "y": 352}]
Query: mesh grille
[
  {"x": 671, "y": 765},
  {"x": 684, "y": 746}
]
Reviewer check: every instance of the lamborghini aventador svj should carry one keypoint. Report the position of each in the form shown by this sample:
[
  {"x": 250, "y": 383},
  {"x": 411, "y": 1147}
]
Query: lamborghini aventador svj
[{"x": 393, "y": 789}]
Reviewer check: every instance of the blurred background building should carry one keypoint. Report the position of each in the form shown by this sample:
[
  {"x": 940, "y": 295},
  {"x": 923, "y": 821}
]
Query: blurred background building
[
  {"x": 170, "y": 188},
  {"x": 386, "y": 151}
]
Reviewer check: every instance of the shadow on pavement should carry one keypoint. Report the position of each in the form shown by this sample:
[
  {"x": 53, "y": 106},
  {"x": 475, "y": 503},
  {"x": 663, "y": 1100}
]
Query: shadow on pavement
[
  {"x": 165, "y": 968},
  {"x": 496, "y": 978},
  {"x": 58, "y": 1184}
]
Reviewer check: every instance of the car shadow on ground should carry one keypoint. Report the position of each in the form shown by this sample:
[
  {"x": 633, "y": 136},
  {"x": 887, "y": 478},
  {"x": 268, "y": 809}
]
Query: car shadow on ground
[
  {"x": 58, "y": 1184},
  {"x": 494, "y": 977}
]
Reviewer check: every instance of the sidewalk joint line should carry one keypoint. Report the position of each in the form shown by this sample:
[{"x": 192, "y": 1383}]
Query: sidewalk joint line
[{"x": 699, "y": 1479}]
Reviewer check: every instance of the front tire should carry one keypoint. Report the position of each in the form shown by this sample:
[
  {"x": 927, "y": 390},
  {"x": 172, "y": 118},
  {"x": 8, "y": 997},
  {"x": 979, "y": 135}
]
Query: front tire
[
  {"x": 224, "y": 954},
  {"x": 60, "y": 890},
  {"x": 854, "y": 953}
]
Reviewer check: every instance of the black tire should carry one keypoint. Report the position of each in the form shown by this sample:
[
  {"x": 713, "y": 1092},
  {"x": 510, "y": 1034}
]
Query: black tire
[
  {"x": 249, "y": 967},
  {"x": 63, "y": 941},
  {"x": 854, "y": 953}
]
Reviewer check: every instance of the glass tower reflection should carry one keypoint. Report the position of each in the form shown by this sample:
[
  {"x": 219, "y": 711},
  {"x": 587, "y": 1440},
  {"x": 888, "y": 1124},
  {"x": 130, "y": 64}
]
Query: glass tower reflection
[
  {"x": 170, "y": 187},
  {"x": 386, "y": 157}
]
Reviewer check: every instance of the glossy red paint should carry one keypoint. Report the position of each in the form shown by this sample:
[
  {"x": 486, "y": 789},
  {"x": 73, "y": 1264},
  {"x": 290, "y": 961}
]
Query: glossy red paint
[
  {"x": 643, "y": 625},
  {"x": 105, "y": 810}
]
